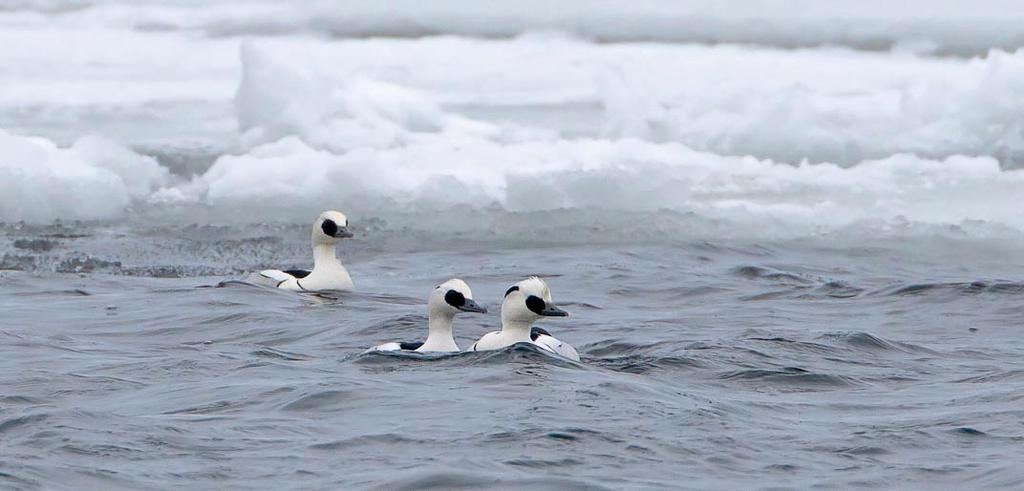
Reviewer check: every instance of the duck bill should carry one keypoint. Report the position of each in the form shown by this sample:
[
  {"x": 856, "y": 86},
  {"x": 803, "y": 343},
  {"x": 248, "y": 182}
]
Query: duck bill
[
  {"x": 551, "y": 310},
  {"x": 343, "y": 233},
  {"x": 472, "y": 306}
]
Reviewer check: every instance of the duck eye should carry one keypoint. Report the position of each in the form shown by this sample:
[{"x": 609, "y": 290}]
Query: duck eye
[
  {"x": 329, "y": 227},
  {"x": 454, "y": 298},
  {"x": 535, "y": 304}
]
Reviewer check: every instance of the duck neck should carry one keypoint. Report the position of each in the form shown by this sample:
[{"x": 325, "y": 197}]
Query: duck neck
[
  {"x": 516, "y": 329},
  {"x": 324, "y": 258},
  {"x": 439, "y": 333}
]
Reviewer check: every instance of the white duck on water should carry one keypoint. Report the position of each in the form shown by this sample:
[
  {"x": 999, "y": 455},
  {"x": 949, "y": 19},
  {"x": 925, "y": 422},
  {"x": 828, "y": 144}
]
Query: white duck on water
[
  {"x": 447, "y": 299},
  {"x": 525, "y": 303},
  {"x": 328, "y": 273}
]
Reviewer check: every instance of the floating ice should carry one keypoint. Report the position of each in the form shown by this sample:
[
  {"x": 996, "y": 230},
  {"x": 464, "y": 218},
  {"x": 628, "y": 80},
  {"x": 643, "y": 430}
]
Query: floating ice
[
  {"x": 822, "y": 105},
  {"x": 619, "y": 175},
  {"x": 756, "y": 138},
  {"x": 943, "y": 27},
  {"x": 93, "y": 179},
  {"x": 412, "y": 157},
  {"x": 275, "y": 101}
]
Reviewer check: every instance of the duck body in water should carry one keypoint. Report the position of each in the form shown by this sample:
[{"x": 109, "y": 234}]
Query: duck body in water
[
  {"x": 447, "y": 299},
  {"x": 329, "y": 229},
  {"x": 527, "y": 302}
]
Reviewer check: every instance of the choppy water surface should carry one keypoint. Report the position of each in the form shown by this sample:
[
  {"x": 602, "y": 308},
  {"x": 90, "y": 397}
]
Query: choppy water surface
[{"x": 705, "y": 364}]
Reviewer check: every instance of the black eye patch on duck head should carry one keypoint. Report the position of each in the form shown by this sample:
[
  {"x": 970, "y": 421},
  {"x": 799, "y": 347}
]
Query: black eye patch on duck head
[
  {"x": 455, "y": 299},
  {"x": 535, "y": 304},
  {"x": 329, "y": 227}
]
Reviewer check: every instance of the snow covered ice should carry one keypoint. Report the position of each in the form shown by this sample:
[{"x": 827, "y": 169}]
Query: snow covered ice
[{"x": 818, "y": 136}]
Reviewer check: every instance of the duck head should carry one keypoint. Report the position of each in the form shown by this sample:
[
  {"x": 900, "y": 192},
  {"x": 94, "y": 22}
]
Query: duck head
[
  {"x": 330, "y": 228},
  {"x": 451, "y": 297},
  {"x": 528, "y": 301}
]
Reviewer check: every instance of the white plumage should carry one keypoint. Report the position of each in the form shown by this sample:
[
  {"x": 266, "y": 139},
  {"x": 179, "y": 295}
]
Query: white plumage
[
  {"x": 525, "y": 303},
  {"x": 328, "y": 273},
  {"x": 447, "y": 299}
]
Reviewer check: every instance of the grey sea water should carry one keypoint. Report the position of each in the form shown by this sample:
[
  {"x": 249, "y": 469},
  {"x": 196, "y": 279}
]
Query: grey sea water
[{"x": 815, "y": 363}]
